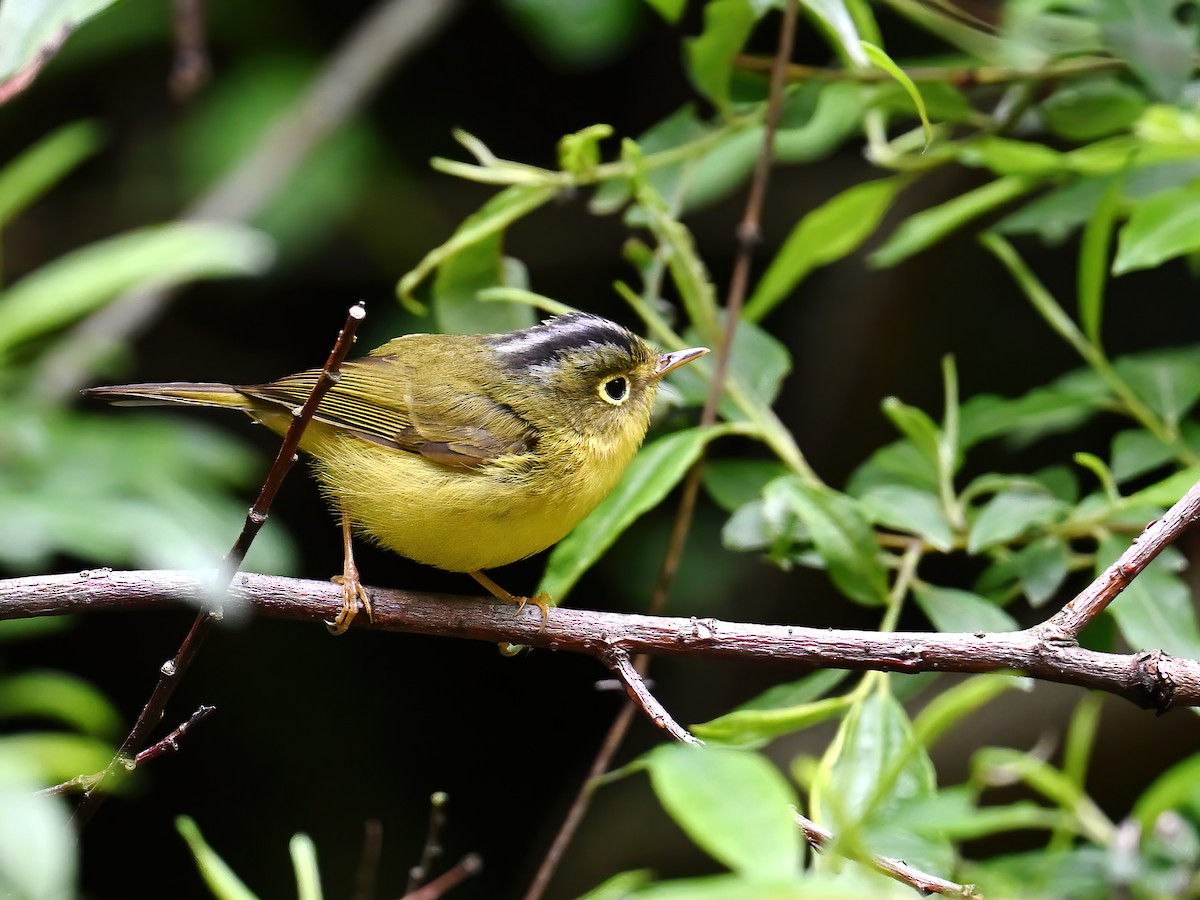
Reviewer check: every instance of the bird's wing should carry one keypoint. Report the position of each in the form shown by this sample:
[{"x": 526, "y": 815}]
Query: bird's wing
[{"x": 383, "y": 401}]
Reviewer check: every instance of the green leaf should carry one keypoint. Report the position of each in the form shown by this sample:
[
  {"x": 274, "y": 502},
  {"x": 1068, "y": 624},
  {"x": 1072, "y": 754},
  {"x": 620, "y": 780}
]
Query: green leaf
[
  {"x": 1157, "y": 42},
  {"x": 623, "y": 885},
  {"x": 953, "y": 610},
  {"x": 954, "y": 704},
  {"x": 1166, "y": 492},
  {"x": 492, "y": 218},
  {"x": 1091, "y": 108},
  {"x": 1049, "y": 410},
  {"x": 1176, "y": 788},
  {"x": 304, "y": 864},
  {"x": 35, "y": 171},
  {"x": 842, "y": 537},
  {"x": 56, "y": 756},
  {"x": 1136, "y": 452},
  {"x": 840, "y": 28},
  {"x": 578, "y": 35},
  {"x": 459, "y": 280},
  {"x": 659, "y": 466},
  {"x": 727, "y": 25},
  {"x": 910, "y": 510},
  {"x": 879, "y": 57},
  {"x": 758, "y": 364},
  {"x": 1009, "y": 515},
  {"x": 1159, "y": 228},
  {"x": 80, "y": 282},
  {"x": 58, "y": 696},
  {"x": 916, "y": 425},
  {"x": 217, "y": 875},
  {"x": 752, "y": 728},
  {"x": 1155, "y": 611},
  {"x": 732, "y": 483},
  {"x": 734, "y": 804},
  {"x": 1093, "y": 262},
  {"x": 923, "y": 230},
  {"x": 33, "y": 31},
  {"x": 670, "y": 10},
  {"x": 1005, "y": 156},
  {"x": 1039, "y": 569},
  {"x": 1168, "y": 381},
  {"x": 38, "y": 853},
  {"x": 837, "y": 116},
  {"x": 896, "y": 463},
  {"x": 826, "y": 234}
]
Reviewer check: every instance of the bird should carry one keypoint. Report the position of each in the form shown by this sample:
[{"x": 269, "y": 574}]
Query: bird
[{"x": 461, "y": 452}]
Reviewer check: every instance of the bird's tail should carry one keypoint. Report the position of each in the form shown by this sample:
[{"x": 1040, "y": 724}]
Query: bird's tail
[{"x": 183, "y": 393}]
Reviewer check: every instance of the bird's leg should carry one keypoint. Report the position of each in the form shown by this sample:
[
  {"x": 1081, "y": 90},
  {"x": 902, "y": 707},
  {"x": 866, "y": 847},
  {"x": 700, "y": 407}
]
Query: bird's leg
[
  {"x": 541, "y": 600},
  {"x": 353, "y": 593}
]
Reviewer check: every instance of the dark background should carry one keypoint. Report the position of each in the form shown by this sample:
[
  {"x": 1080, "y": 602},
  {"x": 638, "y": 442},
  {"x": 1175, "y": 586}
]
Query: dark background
[{"x": 319, "y": 735}]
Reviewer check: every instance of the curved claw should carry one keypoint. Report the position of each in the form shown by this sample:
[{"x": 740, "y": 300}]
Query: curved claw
[{"x": 354, "y": 597}]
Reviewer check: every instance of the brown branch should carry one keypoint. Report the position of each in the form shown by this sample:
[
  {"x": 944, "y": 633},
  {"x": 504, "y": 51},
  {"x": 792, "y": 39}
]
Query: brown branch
[
  {"x": 419, "y": 873},
  {"x": 169, "y": 744},
  {"x": 1151, "y": 679},
  {"x": 368, "y": 864},
  {"x": 191, "y": 68},
  {"x": 1094, "y": 599},
  {"x": 821, "y": 839},
  {"x": 469, "y": 865},
  {"x": 748, "y": 237},
  {"x": 173, "y": 670},
  {"x": 389, "y": 32},
  {"x": 635, "y": 686}
]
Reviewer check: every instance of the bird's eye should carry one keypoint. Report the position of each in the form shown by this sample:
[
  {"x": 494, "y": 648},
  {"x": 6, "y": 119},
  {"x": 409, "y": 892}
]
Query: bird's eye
[{"x": 615, "y": 390}]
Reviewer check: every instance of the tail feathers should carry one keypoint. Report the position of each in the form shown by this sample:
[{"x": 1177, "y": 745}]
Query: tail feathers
[{"x": 184, "y": 393}]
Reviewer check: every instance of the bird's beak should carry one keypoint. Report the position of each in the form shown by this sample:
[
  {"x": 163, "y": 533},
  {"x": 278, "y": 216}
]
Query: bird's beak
[{"x": 677, "y": 358}]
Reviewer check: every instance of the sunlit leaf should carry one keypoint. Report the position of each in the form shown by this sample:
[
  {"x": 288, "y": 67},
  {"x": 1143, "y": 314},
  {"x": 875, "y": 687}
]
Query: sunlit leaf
[
  {"x": 911, "y": 510},
  {"x": 1159, "y": 228},
  {"x": 1010, "y": 515},
  {"x": 216, "y": 873},
  {"x": 727, "y": 25},
  {"x": 459, "y": 280},
  {"x": 59, "y": 696},
  {"x": 24, "y": 179},
  {"x": 34, "y": 30},
  {"x": 950, "y": 609}
]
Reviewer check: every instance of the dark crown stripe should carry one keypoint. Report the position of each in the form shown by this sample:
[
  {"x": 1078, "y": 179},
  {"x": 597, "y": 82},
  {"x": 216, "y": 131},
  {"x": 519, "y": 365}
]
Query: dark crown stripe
[{"x": 556, "y": 337}]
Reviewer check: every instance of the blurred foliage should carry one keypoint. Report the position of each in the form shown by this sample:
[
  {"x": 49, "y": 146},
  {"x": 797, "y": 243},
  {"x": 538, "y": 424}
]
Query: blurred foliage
[{"x": 1078, "y": 120}]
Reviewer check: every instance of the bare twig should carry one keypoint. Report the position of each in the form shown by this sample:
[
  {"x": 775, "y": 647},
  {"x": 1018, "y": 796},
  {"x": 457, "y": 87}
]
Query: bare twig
[
  {"x": 469, "y": 865},
  {"x": 822, "y": 839},
  {"x": 169, "y": 744},
  {"x": 190, "y": 70},
  {"x": 368, "y": 864},
  {"x": 1151, "y": 679},
  {"x": 172, "y": 670},
  {"x": 419, "y": 873},
  {"x": 391, "y": 31},
  {"x": 748, "y": 237},
  {"x": 618, "y": 660}
]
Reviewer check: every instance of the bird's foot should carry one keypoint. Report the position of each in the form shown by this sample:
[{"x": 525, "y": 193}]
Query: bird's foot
[{"x": 354, "y": 597}]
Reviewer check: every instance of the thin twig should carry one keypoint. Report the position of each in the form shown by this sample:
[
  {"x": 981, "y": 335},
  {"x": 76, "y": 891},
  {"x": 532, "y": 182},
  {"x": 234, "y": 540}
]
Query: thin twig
[
  {"x": 368, "y": 864},
  {"x": 1151, "y": 679},
  {"x": 748, "y": 237},
  {"x": 172, "y": 671},
  {"x": 469, "y": 865},
  {"x": 822, "y": 839},
  {"x": 384, "y": 37},
  {"x": 432, "y": 849},
  {"x": 618, "y": 660},
  {"x": 190, "y": 69},
  {"x": 169, "y": 744}
]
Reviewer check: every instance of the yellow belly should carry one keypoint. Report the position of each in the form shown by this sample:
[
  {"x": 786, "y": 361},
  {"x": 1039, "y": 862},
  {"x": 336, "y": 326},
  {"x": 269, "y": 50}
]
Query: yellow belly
[{"x": 461, "y": 520}]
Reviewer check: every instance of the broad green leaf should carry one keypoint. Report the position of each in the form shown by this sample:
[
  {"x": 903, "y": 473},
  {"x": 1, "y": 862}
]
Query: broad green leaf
[
  {"x": 840, "y": 29},
  {"x": 304, "y": 864},
  {"x": 1136, "y": 452},
  {"x": 1176, "y": 788},
  {"x": 758, "y": 364},
  {"x": 459, "y": 280},
  {"x": 826, "y": 234},
  {"x": 879, "y": 57},
  {"x": 1155, "y": 611},
  {"x": 1168, "y": 381},
  {"x": 841, "y": 535},
  {"x": 910, "y": 510},
  {"x": 671, "y": 10},
  {"x": 492, "y": 218},
  {"x": 1009, "y": 515},
  {"x": 59, "y": 696},
  {"x": 727, "y": 25},
  {"x": 1089, "y": 108},
  {"x": 872, "y": 769},
  {"x": 1039, "y": 570},
  {"x": 623, "y": 885},
  {"x": 24, "y": 179},
  {"x": 1093, "y": 262},
  {"x": 732, "y": 483},
  {"x": 794, "y": 693},
  {"x": 216, "y": 873},
  {"x": 1166, "y": 492},
  {"x": 1082, "y": 872},
  {"x": 56, "y": 756},
  {"x": 1048, "y": 410},
  {"x": 1005, "y": 156},
  {"x": 78, "y": 283},
  {"x": 659, "y": 466},
  {"x": 837, "y": 116},
  {"x": 1157, "y": 42},
  {"x": 752, "y": 728},
  {"x": 734, "y": 804},
  {"x": 923, "y": 230},
  {"x": 1159, "y": 228},
  {"x": 687, "y": 269},
  {"x": 896, "y": 463},
  {"x": 583, "y": 34},
  {"x": 953, "y": 610},
  {"x": 916, "y": 425},
  {"x": 953, "y": 814},
  {"x": 33, "y": 32},
  {"x": 954, "y": 704}
]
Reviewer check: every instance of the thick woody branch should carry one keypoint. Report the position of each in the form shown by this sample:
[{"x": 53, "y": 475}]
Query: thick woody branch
[{"x": 1151, "y": 679}]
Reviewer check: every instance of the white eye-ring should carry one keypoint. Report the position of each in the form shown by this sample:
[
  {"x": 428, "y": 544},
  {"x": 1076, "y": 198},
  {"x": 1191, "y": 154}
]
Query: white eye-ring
[{"x": 615, "y": 390}]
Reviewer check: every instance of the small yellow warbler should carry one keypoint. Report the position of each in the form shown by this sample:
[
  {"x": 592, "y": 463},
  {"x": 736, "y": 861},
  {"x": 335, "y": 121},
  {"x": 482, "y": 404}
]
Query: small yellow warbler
[{"x": 463, "y": 452}]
